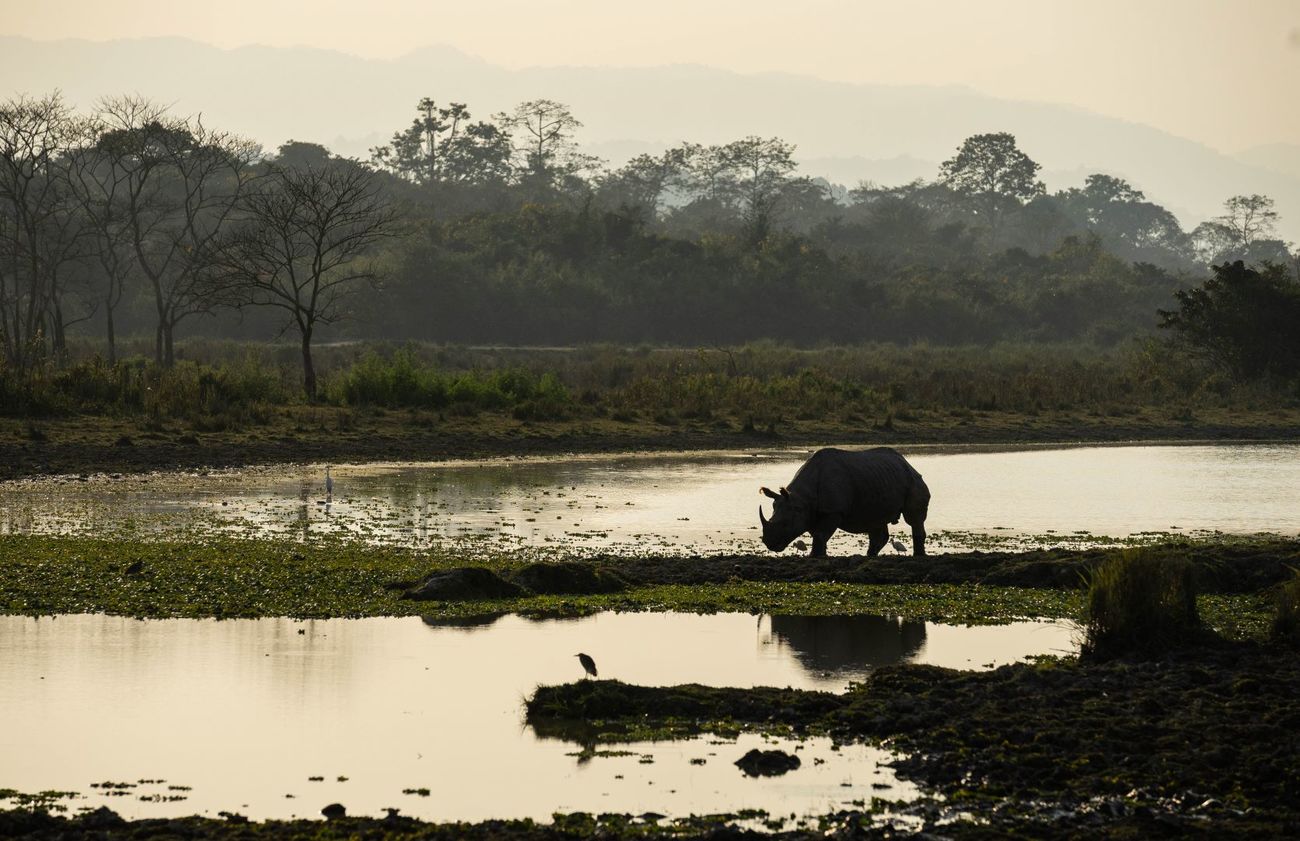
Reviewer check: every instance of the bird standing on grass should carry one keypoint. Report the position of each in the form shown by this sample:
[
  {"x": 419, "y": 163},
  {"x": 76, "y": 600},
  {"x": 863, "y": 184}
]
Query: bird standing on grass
[
  {"x": 588, "y": 664},
  {"x": 329, "y": 482}
]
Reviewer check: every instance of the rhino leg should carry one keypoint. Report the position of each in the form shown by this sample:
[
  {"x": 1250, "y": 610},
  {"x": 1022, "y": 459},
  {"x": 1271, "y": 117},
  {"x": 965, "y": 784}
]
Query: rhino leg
[
  {"x": 917, "y": 521},
  {"x": 821, "y": 533},
  {"x": 877, "y": 538}
]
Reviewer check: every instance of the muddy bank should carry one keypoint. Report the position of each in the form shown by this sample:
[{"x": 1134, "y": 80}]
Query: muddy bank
[
  {"x": 83, "y": 445},
  {"x": 1204, "y": 739},
  {"x": 1234, "y": 566},
  {"x": 842, "y": 825}
]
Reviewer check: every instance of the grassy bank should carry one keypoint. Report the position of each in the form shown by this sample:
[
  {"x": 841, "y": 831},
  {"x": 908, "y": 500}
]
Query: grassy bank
[
  {"x": 109, "y": 444},
  {"x": 227, "y": 578},
  {"x": 233, "y": 404}
]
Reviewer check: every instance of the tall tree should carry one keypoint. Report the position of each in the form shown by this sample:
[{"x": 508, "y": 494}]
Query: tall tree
[
  {"x": 990, "y": 171},
  {"x": 300, "y": 247},
  {"x": 641, "y": 183},
  {"x": 99, "y": 186},
  {"x": 762, "y": 168},
  {"x": 1248, "y": 219},
  {"x": 548, "y": 154},
  {"x": 416, "y": 153},
  {"x": 183, "y": 182},
  {"x": 1130, "y": 225},
  {"x": 40, "y": 231},
  {"x": 1242, "y": 320}
]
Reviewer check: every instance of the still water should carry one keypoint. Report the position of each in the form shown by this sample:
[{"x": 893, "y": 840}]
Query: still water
[
  {"x": 698, "y": 503},
  {"x": 238, "y": 715}
]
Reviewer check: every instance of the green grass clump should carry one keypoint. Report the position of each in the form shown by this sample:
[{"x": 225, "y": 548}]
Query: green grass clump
[
  {"x": 1286, "y": 622},
  {"x": 1139, "y": 603}
]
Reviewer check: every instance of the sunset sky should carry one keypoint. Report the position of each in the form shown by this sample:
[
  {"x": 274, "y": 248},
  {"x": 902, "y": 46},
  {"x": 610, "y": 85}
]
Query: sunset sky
[{"x": 1223, "y": 73}]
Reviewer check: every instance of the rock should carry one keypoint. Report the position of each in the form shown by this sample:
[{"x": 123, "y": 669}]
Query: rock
[
  {"x": 767, "y": 763},
  {"x": 569, "y": 579},
  {"x": 464, "y": 584},
  {"x": 334, "y": 811}
]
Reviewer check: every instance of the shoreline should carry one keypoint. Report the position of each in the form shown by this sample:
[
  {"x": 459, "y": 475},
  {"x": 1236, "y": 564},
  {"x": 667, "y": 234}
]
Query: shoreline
[{"x": 89, "y": 445}]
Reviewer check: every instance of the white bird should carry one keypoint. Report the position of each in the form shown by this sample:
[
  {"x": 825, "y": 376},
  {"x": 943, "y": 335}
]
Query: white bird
[{"x": 329, "y": 482}]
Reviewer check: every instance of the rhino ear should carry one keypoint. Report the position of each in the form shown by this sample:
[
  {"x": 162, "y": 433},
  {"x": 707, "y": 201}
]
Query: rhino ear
[
  {"x": 785, "y": 493},
  {"x": 769, "y": 493}
]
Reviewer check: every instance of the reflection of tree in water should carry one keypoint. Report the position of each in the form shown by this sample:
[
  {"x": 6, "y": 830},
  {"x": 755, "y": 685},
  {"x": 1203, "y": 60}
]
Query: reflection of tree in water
[{"x": 835, "y": 643}]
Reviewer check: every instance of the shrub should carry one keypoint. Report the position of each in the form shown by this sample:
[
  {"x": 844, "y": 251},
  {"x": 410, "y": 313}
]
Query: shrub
[
  {"x": 1139, "y": 602},
  {"x": 1286, "y": 622}
]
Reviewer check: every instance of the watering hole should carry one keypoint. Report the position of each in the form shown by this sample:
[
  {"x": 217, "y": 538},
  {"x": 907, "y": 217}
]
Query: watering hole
[
  {"x": 684, "y": 504},
  {"x": 199, "y": 716}
]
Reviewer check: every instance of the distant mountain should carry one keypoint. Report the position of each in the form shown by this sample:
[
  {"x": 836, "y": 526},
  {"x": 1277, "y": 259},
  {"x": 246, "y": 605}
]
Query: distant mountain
[
  {"x": 851, "y": 131},
  {"x": 1279, "y": 157}
]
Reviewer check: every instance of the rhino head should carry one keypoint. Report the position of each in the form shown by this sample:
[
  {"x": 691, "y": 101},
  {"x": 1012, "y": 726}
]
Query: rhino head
[{"x": 790, "y": 518}]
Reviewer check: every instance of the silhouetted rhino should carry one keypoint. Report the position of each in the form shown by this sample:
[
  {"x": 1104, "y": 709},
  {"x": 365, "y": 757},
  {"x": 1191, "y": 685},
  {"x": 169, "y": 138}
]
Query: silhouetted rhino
[{"x": 859, "y": 492}]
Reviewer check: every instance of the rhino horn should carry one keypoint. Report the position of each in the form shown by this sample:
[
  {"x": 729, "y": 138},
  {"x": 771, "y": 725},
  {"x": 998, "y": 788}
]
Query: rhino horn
[{"x": 761, "y": 518}]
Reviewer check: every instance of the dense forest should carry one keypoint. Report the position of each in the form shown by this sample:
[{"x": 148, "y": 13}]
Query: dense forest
[{"x": 133, "y": 221}]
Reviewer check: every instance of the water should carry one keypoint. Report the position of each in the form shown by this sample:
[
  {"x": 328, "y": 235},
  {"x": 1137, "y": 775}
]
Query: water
[
  {"x": 683, "y": 504},
  {"x": 238, "y": 715}
]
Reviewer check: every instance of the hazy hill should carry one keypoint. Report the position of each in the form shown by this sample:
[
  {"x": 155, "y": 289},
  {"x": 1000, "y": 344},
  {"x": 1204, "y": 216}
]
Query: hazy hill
[{"x": 845, "y": 132}]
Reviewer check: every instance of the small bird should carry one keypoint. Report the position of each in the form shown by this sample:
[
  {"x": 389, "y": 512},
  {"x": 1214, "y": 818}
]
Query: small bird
[
  {"x": 329, "y": 482},
  {"x": 897, "y": 544},
  {"x": 588, "y": 664}
]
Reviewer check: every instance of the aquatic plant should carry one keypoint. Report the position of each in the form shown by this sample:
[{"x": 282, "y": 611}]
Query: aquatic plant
[{"x": 1139, "y": 601}]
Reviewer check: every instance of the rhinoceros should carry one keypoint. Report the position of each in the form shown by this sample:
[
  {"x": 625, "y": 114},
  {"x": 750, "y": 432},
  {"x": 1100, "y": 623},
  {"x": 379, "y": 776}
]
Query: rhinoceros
[{"x": 858, "y": 492}]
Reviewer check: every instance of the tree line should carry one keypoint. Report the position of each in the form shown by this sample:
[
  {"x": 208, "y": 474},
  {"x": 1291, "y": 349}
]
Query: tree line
[{"x": 502, "y": 230}]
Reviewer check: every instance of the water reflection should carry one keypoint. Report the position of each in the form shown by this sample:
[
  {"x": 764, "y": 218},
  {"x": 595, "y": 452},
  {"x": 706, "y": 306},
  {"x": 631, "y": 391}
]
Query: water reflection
[
  {"x": 247, "y": 712},
  {"x": 838, "y": 644}
]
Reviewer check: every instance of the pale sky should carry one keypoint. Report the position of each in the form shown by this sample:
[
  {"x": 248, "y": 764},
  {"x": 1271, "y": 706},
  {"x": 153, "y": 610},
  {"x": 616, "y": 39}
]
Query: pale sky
[{"x": 1224, "y": 72}]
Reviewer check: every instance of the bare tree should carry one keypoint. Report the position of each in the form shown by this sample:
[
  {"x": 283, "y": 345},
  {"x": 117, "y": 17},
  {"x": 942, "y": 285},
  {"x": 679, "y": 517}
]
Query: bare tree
[
  {"x": 182, "y": 183},
  {"x": 549, "y": 157},
  {"x": 300, "y": 245},
  {"x": 99, "y": 185},
  {"x": 1247, "y": 219},
  {"x": 40, "y": 232}
]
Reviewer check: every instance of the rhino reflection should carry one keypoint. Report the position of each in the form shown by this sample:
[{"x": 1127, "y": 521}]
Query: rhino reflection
[{"x": 848, "y": 643}]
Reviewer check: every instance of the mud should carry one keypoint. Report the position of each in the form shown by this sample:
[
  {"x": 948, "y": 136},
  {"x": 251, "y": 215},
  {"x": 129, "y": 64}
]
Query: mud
[
  {"x": 1229, "y": 567},
  {"x": 1207, "y": 737}
]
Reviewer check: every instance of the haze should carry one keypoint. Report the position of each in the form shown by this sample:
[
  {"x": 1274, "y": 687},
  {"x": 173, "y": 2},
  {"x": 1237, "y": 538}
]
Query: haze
[{"x": 1207, "y": 70}]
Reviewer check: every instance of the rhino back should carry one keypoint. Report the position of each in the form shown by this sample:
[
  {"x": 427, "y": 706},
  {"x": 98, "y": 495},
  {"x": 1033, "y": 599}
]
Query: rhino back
[{"x": 869, "y": 487}]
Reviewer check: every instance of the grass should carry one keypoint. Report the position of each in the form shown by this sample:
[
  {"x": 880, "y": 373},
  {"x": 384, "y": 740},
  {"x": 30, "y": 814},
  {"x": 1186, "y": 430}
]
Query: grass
[
  {"x": 763, "y": 384},
  {"x": 1140, "y": 601},
  {"x": 230, "y": 577},
  {"x": 1286, "y": 620}
]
